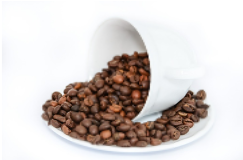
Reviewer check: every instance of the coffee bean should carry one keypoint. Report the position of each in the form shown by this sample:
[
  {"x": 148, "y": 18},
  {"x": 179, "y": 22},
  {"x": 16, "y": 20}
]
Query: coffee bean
[
  {"x": 69, "y": 123},
  {"x": 195, "y": 118},
  {"x": 93, "y": 129},
  {"x": 86, "y": 123},
  {"x": 100, "y": 83},
  {"x": 118, "y": 79},
  {"x": 74, "y": 135},
  {"x": 105, "y": 134},
  {"x": 140, "y": 133},
  {"x": 76, "y": 117},
  {"x": 56, "y": 96},
  {"x": 93, "y": 139},
  {"x": 162, "y": 121},
  {"x": 165, "y": 138},
  {"x": 159, "y": 126},
  {"x": 81, "y": 130},
  {"x": 137, "y": 101},
  {"x": 62, "y": 113},
  {"x": 75, "y": 108},
  {"x": 183, "y": 129},
  {"x": 201, "y": 112},
  {"x": 66, "y": 106},
  {"x": 131, "y": 115},
  {"x": 155, "y": 141},
  {"x": 141, "y": 144},
  {"x": 125, "y": 90},
  {"x": 45, "y": 116},
  {"x": 123, "y": 143},
  {"x": 189, "y": 107},
  {"x": 55, "y": 123},
  {"x": 149, "y": 125},
  {"x": 201, "y": 95},
  {"x": 176, "y": 120},
  {"x": 130, "y": 134},
  {"x": 56, "y": 109},
  {"x": 188, "y": 122},
  {"x": 136, "y": 94},
  {"x": 115, "y": 108},
  {"x": 123, "y": 127},
  {"x": 72, "y": 92},
  {"x": 118, "y": 136},
  {"x": 59, "y": 118},
  {"x": 134, "y": 78},
  {"x": 87, "y": 91},
  {"x": 158, "y": 134},
  {"x": 128, "y": 121},
  {"x": 65, "y": 129},
  {"x": 174, "y": 134},
  {"x": 104, "y": 126},
  {"x": 109, "y": 117},
  {"x": 183, "y": 114}
]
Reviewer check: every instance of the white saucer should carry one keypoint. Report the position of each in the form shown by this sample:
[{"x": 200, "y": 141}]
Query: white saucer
[{"x": 198, "y": 130}]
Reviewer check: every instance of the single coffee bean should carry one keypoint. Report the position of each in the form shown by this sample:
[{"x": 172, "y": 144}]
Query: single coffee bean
[
  {"x": 76, "y": 117},
  {"x": 128, "y": 121},
  {"x": 131, "y": 115},
  {"x": 159, "y": 126},
  {"x": 165, "y": 138},
  {"x": 72, "y": 92},
  {"x": 62, "y": 113},
  {"x": 144, "y": 85},
  {"x": 195, "y": 118},
  {"x": 155, "y": 141},
  {"x": 118, "y": 136},
  {"x": 86, "y": 123},
  {"x": 62, "y": 99},
  {"x": 105, "y": 134},
  {"x": 134, "y": 78},
  {"x": 158, "y": 134},
  {"x": 133, "y": 141},
  {"x": 140, "y": 133},
  {"x": 45, "y": 116},
  {"x": 189, "y": 107},
  {"x": 174, "y": 134},
  {"x": 169, "y": 113},
  {"x": 201, "y": 104},
  {"x": 75, "y": 108},
  {"x": 66, "y": 106},
  {"x": 88, "y": 102},
  {"x": 60, "y": 118},
  {"x": 115, "y": 108},
  {"x": 143, "y": 72},
  {"x": 149, "y": 125},
  {"x": 137, "y": 101},
  {"x": 95, "y": 108},
  {"x": 188, "y": 122},
  {"x": 69, "y": 123},
  {"x": 56, "y": 109},
  {"x": 53, "y": 103},
  {"x": 201, "y": 112},
  {"x": 123, "y": 143},
  {"x": 74, "y": 134},
  {"x": 99, "y": 83},
  {"x": 94, "y": 139},
  {"x": 65, "y": 129},
  {"x": 147, "y": 139},
  {"x": 56, "y": 96},
  {"x": 141, "y": 144},
  {"x": 87, "y": 91},
  {"x": 201, "y": 95},
  {"x": 176, "y": 120},
  {"x": 55, "y": 123},
  {"x": 113, "y": 63},
  {"x": 123, "y": 127},
  {"x": 104, "y": 126},
  {"x": 127, "y": 102},
  {"x": 125, "y": 90},
  {"x": 183, "y": 114},
  {"x": 81, "y": 130},
  {"x": 118, "y": 79},
  {"x": 134, "y": 86},
  {"x": 108, "y": 116},
  {"x": 50, "y": 111},
  {"x": 130, "y": 134},
  {"x": 136, "y": 94},
  {"x": 183, "y": 129},
  {"x": 93, "y": 130},
  {"x": 162, "y": 121}
]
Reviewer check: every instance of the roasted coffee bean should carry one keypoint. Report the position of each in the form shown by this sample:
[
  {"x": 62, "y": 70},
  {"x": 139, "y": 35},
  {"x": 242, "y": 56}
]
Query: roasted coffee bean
[
  {"x": 76, "y": 117},
  {"x": 125, "y": 90},
  {"x": 94, "y": 139},
  {"x": 159, "y": 126},
  {"x": 87, "y": 91},
  {"x": 188, "y": 122},
  {"x": 134, "y": 78},
  {"x": 127, "y": 102},
  {"x": 137, "y": 101},
  {"x": 104, "y": 126},
  {"x": 133, "y": 141},
  {"x": 66, "y": 106},
  {"x": 128, "y": 121},
  {"x": 49, "y": 111},
  {"x": 75, "y": 108},
  {"x": 155, "y": 141},
  {"x": 174, "y": 134},
  {"x": 143, "y": 72},
  {"x": 149, "y": 125},
  {"x": 55, "y": 123},
  {"x": 129, "y": 109},
  {"x": 118, "y": 136},
  {"x": 53, "y": 103},
  {"x": 72, "y": 92},
  {"x": 74, "y": 134},
  {"x": 183, "y": 114},
  {"x": 60, "y": 118},
  {"x": 109, "y": 117},
  {"x": 165, "y": 138},
  {"x": 141, "y": 144},
  {"x": 201, "y": 95},
  {"x": 140, "y": 133},
  {"x": 136, "y": 94},
  {"x": 56, "y": 96},
  {"x": 183, "y": 129},
  {"x": 45, "y": 116},
  {"x": 176, "y": 120},
  {"x": 62, "y": 113},
  {"x": 189, "y": 107},
  {"x": 201, "y": 112},
  {"x": 131, "y": 115},
  {"x": 195, "y": 118},
  {"x": 95, "y": 108},
  {"x": 134, "y": 86},
  {"x": 115, "y": 108},
  {"x": 162, "y": 121},
  {"x": 118, "y": 79},
  {"x": 86, "y": 123},
  {"x": 123, "y": 127},
  {"x": 105, "y": 134},
  {"x": 69, "y": 123},
  {"x": 93, "y": 129},
  {"x": 158, "y": 134},
  {"x": 65, "y": 129},
  {"x": 123, "y": 143},
  {"x": 147, "y": 139},
  {"x": 139, "y": 107},
  {"x": 130, "y": 134},
  {"x": 81, "y": 130},
  {"x": 56, "y": 109},
  {"x": 99, "y": 83},
  {"x": 144, "y": 85}
]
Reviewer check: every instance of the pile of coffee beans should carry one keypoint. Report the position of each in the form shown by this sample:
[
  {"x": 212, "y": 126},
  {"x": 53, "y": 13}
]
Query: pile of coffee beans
[{"x": 100, "y": 111}]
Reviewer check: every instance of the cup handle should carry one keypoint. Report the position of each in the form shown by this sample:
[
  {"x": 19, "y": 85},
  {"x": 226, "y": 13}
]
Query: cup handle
[{"x": 185, "y": 73}]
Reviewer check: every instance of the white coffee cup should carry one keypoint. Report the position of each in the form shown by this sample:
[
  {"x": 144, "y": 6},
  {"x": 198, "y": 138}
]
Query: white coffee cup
[{"x": 172, "y": 61}]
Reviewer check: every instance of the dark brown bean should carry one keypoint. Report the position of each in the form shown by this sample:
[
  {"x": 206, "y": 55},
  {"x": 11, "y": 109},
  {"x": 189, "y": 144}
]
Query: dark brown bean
[
  {"x": 141, "y": 144},
  {"x": 105, "y": 134},
  {"x": 123, "y": 143},
  {"x": 123, "y": 127},
  {"x": 155, "y": 141},
  {"x": 81, "y": 129},
  {"x": 55, "y": 123},
  {"x": 93, "y": 129}
]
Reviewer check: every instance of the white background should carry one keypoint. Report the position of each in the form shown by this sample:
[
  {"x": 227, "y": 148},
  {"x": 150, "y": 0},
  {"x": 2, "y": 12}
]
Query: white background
[{"x": 45, "y": 48}]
